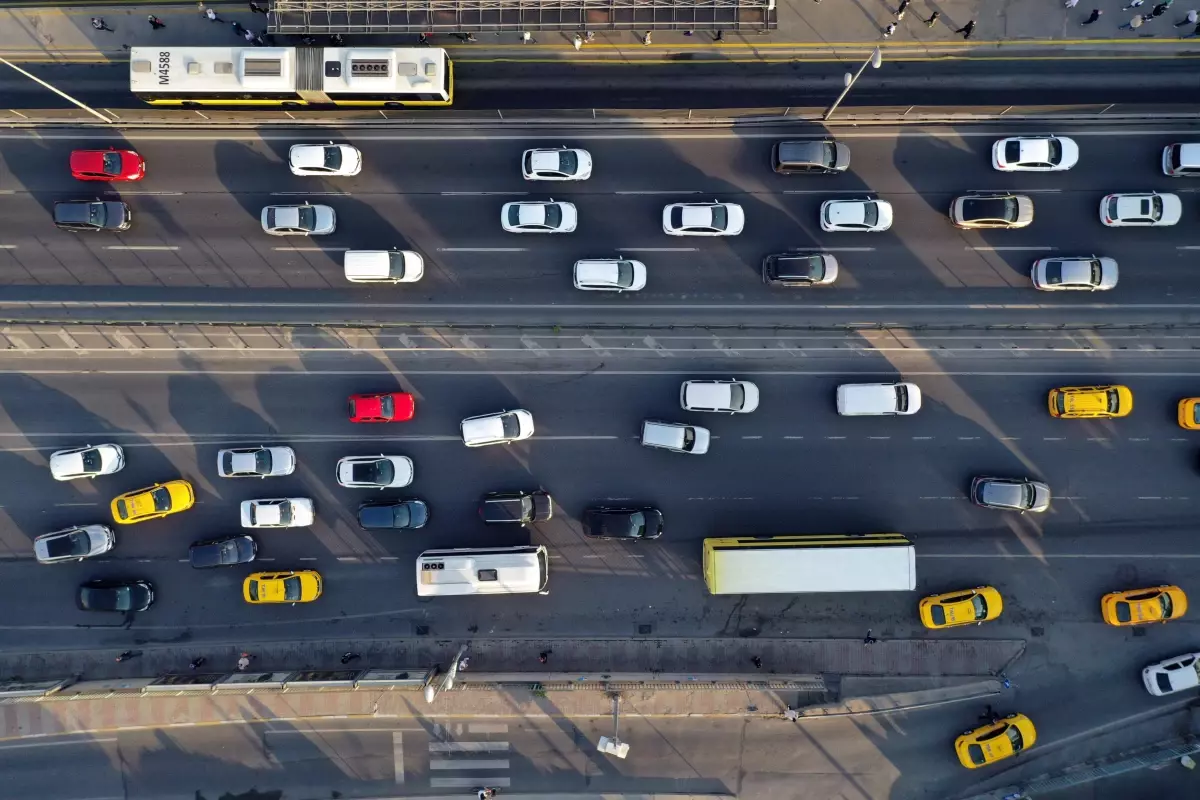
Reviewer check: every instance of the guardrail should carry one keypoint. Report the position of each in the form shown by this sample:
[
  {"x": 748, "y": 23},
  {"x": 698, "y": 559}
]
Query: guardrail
[{"x": 154, "y": 117}]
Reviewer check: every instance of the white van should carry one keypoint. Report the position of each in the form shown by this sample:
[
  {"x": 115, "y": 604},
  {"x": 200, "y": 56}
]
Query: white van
[
  {"x": 383, "y": 266},
  {"x": 485, "y": 570},
  {"x": 878, "y": 399},
  {"x": 675, "y": 436},
  {"x": 502, "y": 427},
  {"x": 1181, "y": 160}
]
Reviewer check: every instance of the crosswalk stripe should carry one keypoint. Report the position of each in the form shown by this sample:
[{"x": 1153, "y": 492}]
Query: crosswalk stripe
[
  {"x": 461, "y": 783},
  {"x": 398, "y": 755},
  {"x": 487, "y": 727},
  {"x": 459, "y": 763},
  {"x": 467, "y": 747}
]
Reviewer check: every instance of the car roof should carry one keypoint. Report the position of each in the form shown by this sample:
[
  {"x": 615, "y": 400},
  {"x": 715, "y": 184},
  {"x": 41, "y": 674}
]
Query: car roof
[
  {"x": 546, "y": 160},
  {"x": 848, "y": 212},
  {"x": 309, "y": 155},
  {"x": 73, "y": 210},
  {"x": 287, "y": 216},
  {"x": 697, "y": 216}
]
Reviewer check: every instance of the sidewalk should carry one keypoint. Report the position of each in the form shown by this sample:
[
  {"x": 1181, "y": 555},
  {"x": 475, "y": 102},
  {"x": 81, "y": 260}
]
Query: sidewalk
[{"x": 808, "y": 30}]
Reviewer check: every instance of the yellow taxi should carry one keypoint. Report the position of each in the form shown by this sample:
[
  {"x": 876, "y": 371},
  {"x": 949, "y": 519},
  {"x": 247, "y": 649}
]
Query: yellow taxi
[
  {"x": 964, "y": 607},
  {"x": 1090, "y": 402},
  {"x": 995, "y": 741},
  {"x": 1143, "y": 606},
  {"x": 293, "y": 586},
  {"x": 1189, "y": 413},
  {"x": 153, "y": 502}
]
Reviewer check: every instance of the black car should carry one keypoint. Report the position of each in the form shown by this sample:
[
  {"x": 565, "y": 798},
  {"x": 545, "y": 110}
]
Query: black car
[
  {"x": 409, "y": 514},
  {"x": 92, "y": 215},
  {"x": 223, "y": 552},
  {"x": 115, "y": 595},
  {"x": 605, "y": 522},
  {"x": 520, "y": 508},
  {"x": 799, "y": 269}
]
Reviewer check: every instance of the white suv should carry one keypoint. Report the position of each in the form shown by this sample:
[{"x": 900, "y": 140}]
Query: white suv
[
  {"x": 502, "y": 427},
  {"x": 727, "y": 397}
]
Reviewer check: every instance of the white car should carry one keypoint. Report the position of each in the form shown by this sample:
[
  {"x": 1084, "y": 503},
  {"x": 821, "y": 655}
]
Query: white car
[
  {"x": 1173, "y": 675},
  {"x": 324, "y": 159},
  {"x": 374, "y": 472},
  {"x": 703, "y": 219},
  {"x": 550, "y": 216},
  {"x": 610, "y": 275},
  {"x": 1080, "y": 273},
  {"x": 729, "y": 397},
  {"x": 256, "y": 462},
  {"x": 865, "y": 214},
  {"x": 556, "y": 164},
  {"x": 1035, "y": 154},
  {"x": 502, "y": 427},
  {"x": 302, "y": 220},
  {"x": 278, "y": 512},
  {"x": 878, "y": 399},
  {"x": 87, "y": 462},
  {"x": 1150, "y": 209},
  {"x": 73, "y": 544}
]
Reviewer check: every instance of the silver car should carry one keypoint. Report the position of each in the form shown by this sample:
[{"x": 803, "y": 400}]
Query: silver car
[
  {"x": 1010, "y": 494},
  {"x": 302, "y": 220},
  {"x": 1078, "y": 273},
  {"x": 256, "y": 462},
  {"x": 73, "y": 544}
]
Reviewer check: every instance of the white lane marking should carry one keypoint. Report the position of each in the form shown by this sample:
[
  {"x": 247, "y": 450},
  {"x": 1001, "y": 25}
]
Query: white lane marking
[
  {"x": 487, "y": 727},
  {"x": 55, "y": 744},
  {"x": 752, "y": 437},
  {"x": 999, "y": 249},
  {"x": 467, "y": 747},
  {"x": 658, "y": 249},
  {"x": 660, "y": 191},
  {"x": 1039, "y": 556},
  {"x": 146, "y": 192},
  {"x": 1188, "y": 247},
  {"x": 309, "y": 249},
  {"x": 311, "y": 372},
  {"x": 463, "y": 783},
  {"x": 482, "y": 249},
  {"x": 314, "y": 194},
  {"x": 824, "y": 191},
  {"x": 398, "y": 756},
  {"x": 457, "y": 763},
  {"x": 306, "y": 731},
  {"x": 139, "y": 247},
  {"x": 1010, "y": 191},
  {"x": 793, "y": 437},
  {"x": 484, "y": 194},
  {"x": 8, "y": 247},
  {"x": 847, "y": 249}
]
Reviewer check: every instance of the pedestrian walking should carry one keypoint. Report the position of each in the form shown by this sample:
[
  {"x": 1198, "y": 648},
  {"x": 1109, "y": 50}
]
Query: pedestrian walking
[
  {"x": 1095, "y": 15},
  {"x": 196, "y": 663},
  {"x": 1133, "y": 4},
  {"x": 128, "y": 654},
  {"x": 1192, "y": 18},
  {"x": 756, "y": 661},
  {"x": 688, "y": 33},
  {"x": 902, "y": 10},
  {"x": 543, "y": 656},
  {"x": 1134, "y": 23},
  {"x": 155, "y": 22},
  {"x": 933, "y": 18},
  {"x": 1071, "y": 3},
  {"x": 646, "y": 38},
  {"x": 248, "y": 35},
  {"x": 988, "y": 714},
  {"x": 212, "y": 15},
  {"x": 967, "y": 30},
  {"x": 889, "y": 30},
  {"x": 526, "y": 37},
  {"x": 347, "y": 657},
  {"x": 237, "y": 28},
  {"x": 719, "y": 37},
  {"x": 1159, "y": 9},
  {"x": 423, "y": 38},
  {"x": 255, "y": 8},
  {"x": 464, "y": 663},
  {"x": 99, "y": 24},
  {"x": 243, "y": 662},
  {"x": 588, "y": 37},
  {"x": 869, "y": 639}
]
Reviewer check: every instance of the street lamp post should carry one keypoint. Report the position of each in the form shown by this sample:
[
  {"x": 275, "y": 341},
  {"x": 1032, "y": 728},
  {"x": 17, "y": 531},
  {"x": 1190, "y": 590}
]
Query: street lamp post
[
  {"x": 61, "y": 94},
  {"x": 447, "y": 683},
  {"x": 614, "y": 746},
  {"x": 874, "y": 61}
]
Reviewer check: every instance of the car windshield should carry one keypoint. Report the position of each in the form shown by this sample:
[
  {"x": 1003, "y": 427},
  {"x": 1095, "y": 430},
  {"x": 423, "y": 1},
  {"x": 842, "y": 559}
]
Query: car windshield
[
  {"x": 1014, "y": 736},
  {"x": 91, "y": 460},
  {"x": 568, "y": 161},
  {"x": 689, "y": 438},
  {"x": 401, "y": 516},
  {"x": 123, "y": 509},
  {"x": 387, "y": 406},
  {"x": 285, "y": 512},
  {"x": 514, "y": 215},
  {"x": 637, "y": 523},
  {"x": 975, "y": 752},
  {"x": 871, "y": 214},
  {"x": 374, "y": 472},
  {"x": 1002, "y": 208},
  {"x": 938, "y": 613},
  {"x": 333, "y": 157},
  {"x": 1164, "y": 600},
  {"x": 112, "y": 163},
  {"x": 162, "y": 499},
  {"x": 262, "y": 461},
  {"x": 828, "y": 154},
  {"x": 1152, "y": 207},
  {"x": 1054, "y": 272},
  {"x": 291, "y": 588},
  {"x": 308, "y": 218},
  {"x": 96, "y": 214},
  {"x": 553, "y": 215},
  {"x": 980, "y": 606},
  {"x": 624, "y": 274},
  {"x": 508, "y": 424},
  {"x": 806, "y": 267},
  {"x": 1012, "y": 151},
  {"x": 902, "y": 398},
  {"x": 676, "y": 217},
  {"x": 252, "y": 590},
  {"x": 1060, "y": 403},
  {"x": 1095, "y": 265},
  {"x": 1055, "y": 148},
  {"x": 737, "y": 395},
  {"x": 227, "y": 552},
  {"x": 720, "y": 217}
]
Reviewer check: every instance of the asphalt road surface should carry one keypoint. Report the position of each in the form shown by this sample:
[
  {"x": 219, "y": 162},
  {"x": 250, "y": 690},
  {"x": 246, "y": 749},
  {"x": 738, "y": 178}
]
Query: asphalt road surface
[
  {"x": 509, "y": 85},
  {"x": 197, "y": 251}
]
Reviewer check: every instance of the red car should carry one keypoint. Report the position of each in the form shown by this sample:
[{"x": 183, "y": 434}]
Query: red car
[
  {"x": 386, "y": 407},
  {"x": 107, "y": 165}
]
